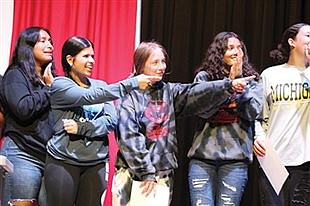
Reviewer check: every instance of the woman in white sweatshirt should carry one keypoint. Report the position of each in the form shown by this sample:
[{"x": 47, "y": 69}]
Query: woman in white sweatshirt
[{"x": 285, "y": 117}]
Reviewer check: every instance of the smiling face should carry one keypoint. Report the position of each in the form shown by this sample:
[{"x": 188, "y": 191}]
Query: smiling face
[
  {"x": 155, "y": 65},
  {"x": 43, "y": 49},
  {"x": 302, "y": 40},
  {"x": 233, "y": 51},
  {"x": 82, "y": 64}
]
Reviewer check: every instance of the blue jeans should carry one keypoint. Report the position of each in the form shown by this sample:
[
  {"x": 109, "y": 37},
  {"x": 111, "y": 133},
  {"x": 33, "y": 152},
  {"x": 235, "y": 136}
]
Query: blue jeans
[
  {"x": 216, "y": 183},
  {"x": 25, "y": 181}
]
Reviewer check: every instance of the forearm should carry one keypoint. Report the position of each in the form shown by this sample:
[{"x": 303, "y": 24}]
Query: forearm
[{"x": 66, "y": 93}]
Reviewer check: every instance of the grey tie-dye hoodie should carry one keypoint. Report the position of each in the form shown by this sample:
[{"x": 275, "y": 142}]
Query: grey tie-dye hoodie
[
  {"x": 147, "y": 130},
  {"x": 226, "y": 133}
]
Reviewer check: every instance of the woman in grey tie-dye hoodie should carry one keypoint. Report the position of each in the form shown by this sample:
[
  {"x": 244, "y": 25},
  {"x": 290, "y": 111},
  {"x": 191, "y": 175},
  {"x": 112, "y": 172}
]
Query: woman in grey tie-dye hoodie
[{"x": 222, "y": 145}]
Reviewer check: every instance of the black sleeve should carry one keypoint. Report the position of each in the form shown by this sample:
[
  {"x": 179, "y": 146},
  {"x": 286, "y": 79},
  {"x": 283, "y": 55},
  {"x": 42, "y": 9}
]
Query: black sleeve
[{"x": 24, "y": 100}]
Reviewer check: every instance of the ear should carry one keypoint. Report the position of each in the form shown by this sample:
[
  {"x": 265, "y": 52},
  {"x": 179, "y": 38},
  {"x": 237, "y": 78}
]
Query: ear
[
  {"x": 291, "y": 42},
  {"x": 70, "y": 59}
]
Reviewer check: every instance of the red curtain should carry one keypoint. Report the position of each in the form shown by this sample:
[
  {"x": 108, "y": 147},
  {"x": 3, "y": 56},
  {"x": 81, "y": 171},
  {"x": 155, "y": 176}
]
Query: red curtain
[{"x": 109, "y": 24}]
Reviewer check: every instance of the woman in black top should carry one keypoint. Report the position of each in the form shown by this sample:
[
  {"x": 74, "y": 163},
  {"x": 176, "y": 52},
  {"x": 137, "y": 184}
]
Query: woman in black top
[{"x": 25, "y": 100}]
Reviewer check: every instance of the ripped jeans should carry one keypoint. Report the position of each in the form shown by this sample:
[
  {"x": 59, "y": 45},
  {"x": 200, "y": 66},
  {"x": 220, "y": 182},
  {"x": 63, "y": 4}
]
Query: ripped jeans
[
  {"x": 25, "y": 181},
  {"x": 217, "y": 183}
]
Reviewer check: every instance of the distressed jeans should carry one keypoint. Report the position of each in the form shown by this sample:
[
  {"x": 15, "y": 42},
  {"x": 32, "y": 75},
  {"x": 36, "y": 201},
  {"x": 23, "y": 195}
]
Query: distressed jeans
[
  {"x": 25, "y": 181},
  {"x": 217, "y": 183}
]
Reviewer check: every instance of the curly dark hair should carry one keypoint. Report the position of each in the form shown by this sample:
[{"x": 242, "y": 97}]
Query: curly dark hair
[
  {"x": 213, "y": 62},
  {"x": 23, "y": 57},
  {"x": 282, "y": 53}
]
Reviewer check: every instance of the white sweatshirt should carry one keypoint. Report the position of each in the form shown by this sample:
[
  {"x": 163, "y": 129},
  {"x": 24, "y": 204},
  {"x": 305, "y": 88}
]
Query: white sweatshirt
[{"x": 287, "y": 112}]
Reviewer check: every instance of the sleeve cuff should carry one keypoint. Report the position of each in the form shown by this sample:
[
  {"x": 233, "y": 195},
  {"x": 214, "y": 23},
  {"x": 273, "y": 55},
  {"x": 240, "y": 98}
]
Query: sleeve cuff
[{"x": 150, "y": 177}]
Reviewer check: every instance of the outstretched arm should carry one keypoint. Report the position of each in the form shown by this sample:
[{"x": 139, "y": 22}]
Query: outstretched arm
[{"x": 66, "y": 93}]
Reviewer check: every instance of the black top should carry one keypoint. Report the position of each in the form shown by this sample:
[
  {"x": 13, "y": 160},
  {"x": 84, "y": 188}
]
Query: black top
[{"x": 28, "y": 120}]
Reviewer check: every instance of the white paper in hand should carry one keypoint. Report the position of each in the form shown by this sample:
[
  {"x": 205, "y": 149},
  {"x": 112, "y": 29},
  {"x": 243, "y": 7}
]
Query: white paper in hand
[
  {"x": 273, "y": 167},
  {"x": 158, "y": 197}
]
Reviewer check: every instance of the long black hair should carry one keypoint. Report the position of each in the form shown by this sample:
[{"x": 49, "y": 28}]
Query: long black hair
[{"x": 23, "y": 56}]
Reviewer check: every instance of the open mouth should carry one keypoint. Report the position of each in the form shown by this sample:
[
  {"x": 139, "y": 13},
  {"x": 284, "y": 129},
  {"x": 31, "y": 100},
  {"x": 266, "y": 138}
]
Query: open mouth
[{"x": 89, "y": 67}]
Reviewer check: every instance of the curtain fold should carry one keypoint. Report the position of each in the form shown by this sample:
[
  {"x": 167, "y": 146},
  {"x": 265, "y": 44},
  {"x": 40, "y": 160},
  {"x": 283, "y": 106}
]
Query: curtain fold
[
  {"x": 109, "y": 24},
  {"x": 186, "y": 28},
  {"x": 6, "y": 22}
]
